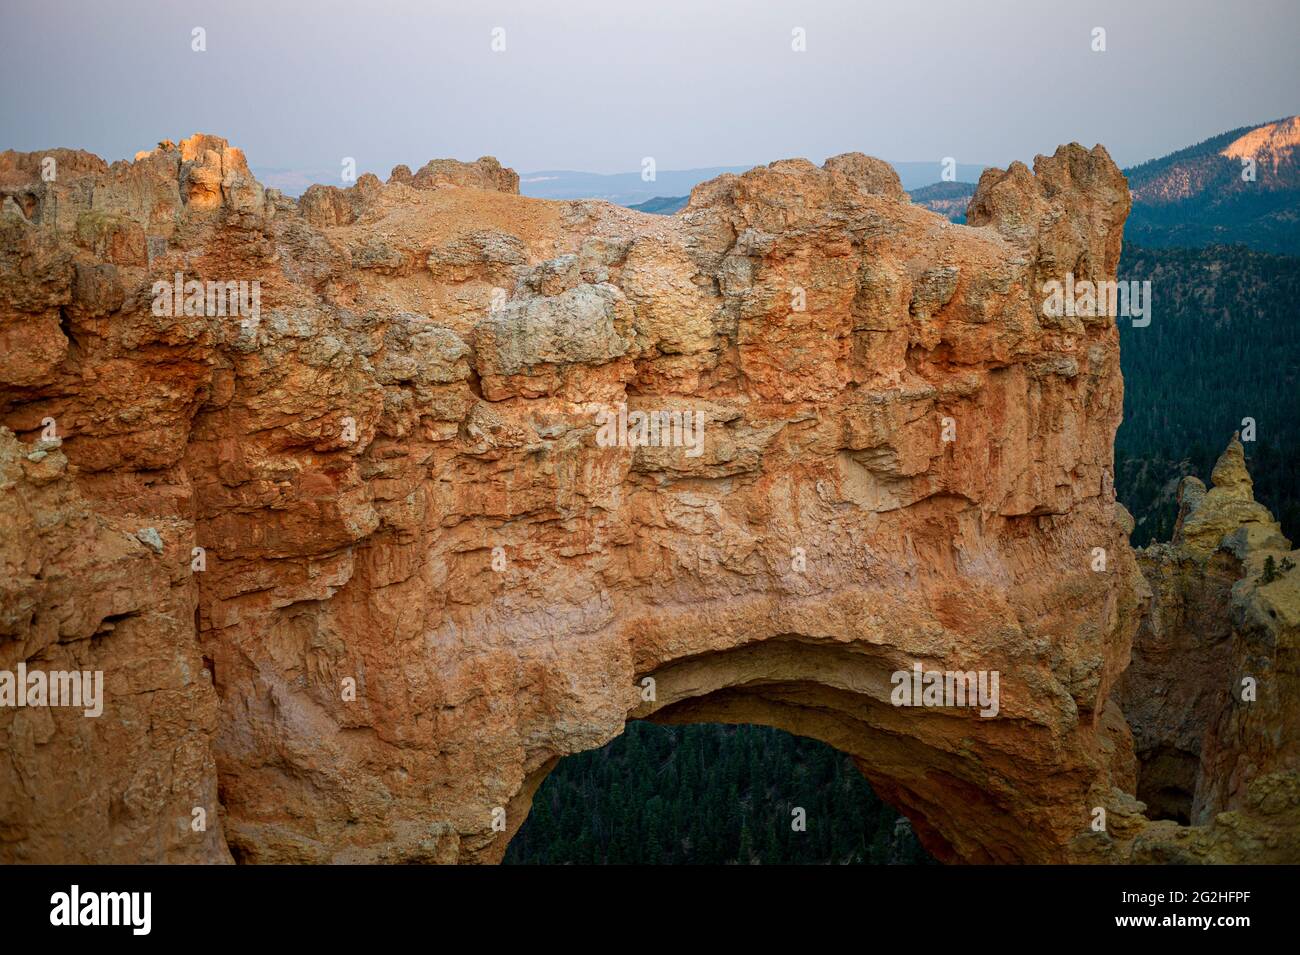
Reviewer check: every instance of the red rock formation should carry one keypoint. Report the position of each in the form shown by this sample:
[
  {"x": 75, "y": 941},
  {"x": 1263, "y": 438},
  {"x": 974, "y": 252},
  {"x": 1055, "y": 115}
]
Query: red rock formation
[
  {"x": 426, "y": 579},
  {"x": 1213, "y": 693}
]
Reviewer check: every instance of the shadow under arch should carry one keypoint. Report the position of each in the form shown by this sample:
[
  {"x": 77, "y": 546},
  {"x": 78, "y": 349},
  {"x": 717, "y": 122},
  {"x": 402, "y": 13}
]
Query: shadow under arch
[
  {"x": 973, "y": 791},
  {"x": 711, "y": 794}
]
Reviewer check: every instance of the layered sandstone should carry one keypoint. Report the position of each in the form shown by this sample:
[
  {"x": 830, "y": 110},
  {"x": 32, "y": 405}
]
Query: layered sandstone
[{"x": 424, "y": 580}]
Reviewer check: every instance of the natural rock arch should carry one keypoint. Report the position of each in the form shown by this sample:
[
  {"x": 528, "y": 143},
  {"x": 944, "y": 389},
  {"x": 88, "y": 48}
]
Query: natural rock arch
[
  {"x": 964, "y": 781},
  {"x": 426, "y": 577}
]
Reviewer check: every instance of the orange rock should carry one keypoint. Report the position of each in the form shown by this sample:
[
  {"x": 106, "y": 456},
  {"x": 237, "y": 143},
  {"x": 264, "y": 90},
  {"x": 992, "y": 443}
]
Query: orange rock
[{"x": 424, "y": 579}]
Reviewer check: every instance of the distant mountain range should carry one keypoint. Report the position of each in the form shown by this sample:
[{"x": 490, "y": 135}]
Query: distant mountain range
[
  {"x": 946, "y": 198},
  {"x": 623, "y": 188},
  {"x": 664, "y": 205},
  {"x": 671, "y": 188},
  {"x": 1220, "y": 253},
  {"x": 1241, "y": 187}
]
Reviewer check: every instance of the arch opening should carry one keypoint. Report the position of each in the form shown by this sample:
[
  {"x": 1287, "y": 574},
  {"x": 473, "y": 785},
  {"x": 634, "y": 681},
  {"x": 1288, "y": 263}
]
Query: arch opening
[
  {"x": 711, "y": 793},
  {"x": 971, "y": 788}
]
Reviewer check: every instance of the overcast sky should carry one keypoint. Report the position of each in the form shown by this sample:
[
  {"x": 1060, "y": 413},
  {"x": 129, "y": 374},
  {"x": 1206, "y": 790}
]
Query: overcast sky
[{"x": 598, "y": 84}]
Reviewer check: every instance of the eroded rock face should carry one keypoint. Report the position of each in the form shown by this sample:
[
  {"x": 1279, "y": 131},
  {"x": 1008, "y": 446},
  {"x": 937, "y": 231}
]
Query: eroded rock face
[
  {"x": 88, "y": 589},
  {"x": 1213, "y": 693},
  {"x": 426, "y": 577}
]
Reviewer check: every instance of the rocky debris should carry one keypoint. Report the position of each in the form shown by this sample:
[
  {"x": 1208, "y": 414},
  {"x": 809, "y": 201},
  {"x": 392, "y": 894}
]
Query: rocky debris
[
  {"x": 486, "y": 254},
  {"x": 150, "y": 538},
  {"x": 1212, "y": 692},
  {"x": 397, "y": 535}
]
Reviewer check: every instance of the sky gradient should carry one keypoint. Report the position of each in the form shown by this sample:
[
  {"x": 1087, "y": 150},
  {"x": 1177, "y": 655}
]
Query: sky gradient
[{"x": 598, "y": 84}]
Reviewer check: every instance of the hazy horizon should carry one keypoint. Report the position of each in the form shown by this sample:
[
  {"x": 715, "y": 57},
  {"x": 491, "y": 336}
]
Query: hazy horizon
[{"x": 579, "y": 87}]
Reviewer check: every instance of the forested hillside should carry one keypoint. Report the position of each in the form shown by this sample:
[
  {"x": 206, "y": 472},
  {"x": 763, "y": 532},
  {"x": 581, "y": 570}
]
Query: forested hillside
[
  {"x": 662, "y": 205},
  {"x": 1199, "y": 196},
  {"x": 1223, "y": 345},
  {"x": 710, "y": 794},
  {"x": 949, "y": 199}
]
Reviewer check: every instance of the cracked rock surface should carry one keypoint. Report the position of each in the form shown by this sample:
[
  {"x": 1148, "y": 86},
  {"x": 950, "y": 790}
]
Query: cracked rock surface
[{"x": 394, "y": 577}]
